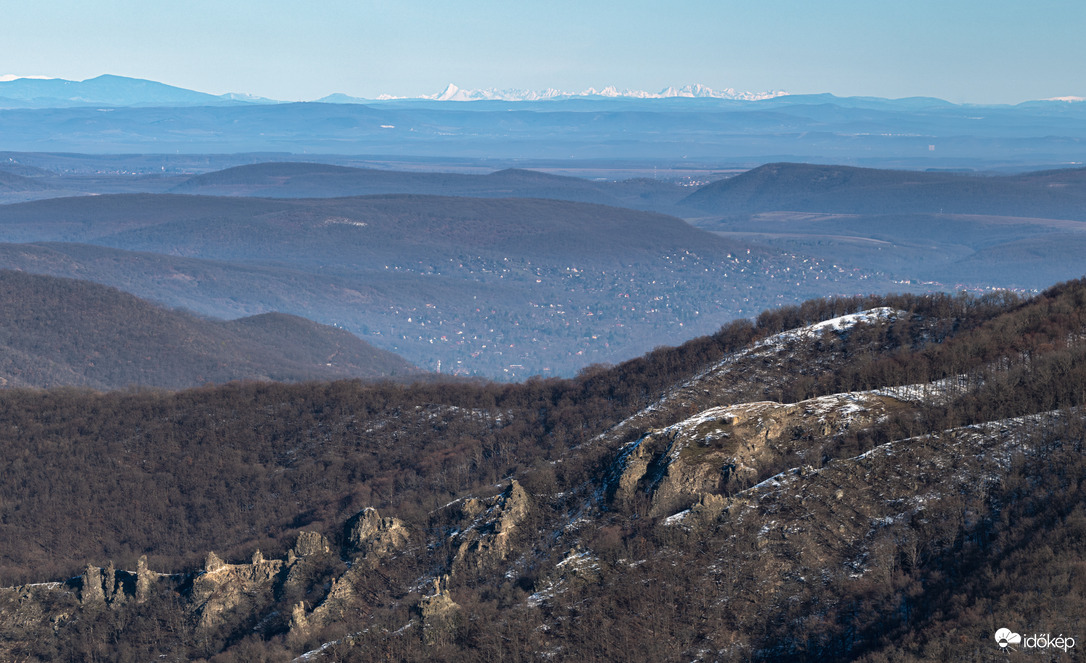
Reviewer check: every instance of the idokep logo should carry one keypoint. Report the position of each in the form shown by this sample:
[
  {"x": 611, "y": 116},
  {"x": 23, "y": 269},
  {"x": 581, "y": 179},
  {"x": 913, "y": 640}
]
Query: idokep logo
[{"x": 1005, "y": 637}]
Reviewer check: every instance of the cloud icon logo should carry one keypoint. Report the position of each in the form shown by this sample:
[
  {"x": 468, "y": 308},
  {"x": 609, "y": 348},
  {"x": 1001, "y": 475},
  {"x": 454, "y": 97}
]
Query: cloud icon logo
[{"x": 1005, "y": 636}]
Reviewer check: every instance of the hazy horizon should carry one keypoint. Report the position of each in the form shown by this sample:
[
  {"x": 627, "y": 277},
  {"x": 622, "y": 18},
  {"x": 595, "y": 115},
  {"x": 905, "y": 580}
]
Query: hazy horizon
[{"x": 969, "y": 52}]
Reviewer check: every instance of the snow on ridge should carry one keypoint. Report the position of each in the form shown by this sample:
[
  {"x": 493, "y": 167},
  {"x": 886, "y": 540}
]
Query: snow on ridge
[
  {"x": 851, "y": 320},
  {"x": 1008, "y": 430},
  {"x": 775, "y": 342}
]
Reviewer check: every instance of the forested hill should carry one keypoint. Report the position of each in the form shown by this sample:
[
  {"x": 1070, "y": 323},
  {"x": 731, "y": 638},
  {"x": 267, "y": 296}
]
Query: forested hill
[
  {"x": 847, "y": 479},
  {"x": 58, "y": 331},
  {"x": 799, "y": 187},
  {"x": 315, "y": 180}
]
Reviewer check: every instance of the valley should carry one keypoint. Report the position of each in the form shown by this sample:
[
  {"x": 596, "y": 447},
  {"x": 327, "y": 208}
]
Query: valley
[
  {"x": 572, "y": 272},
  {"x": 499, "y": 287}
]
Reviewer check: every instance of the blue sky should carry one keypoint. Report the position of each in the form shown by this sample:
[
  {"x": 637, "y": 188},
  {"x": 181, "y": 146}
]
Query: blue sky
[{"x": 995, "y": 51}]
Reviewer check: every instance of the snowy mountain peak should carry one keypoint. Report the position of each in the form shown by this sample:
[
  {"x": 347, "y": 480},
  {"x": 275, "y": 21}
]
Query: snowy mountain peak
[{"x": 449, "y": 93}]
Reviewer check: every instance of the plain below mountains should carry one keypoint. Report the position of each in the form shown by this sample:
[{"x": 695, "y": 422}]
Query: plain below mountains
[{"x": 58, "y": 331}]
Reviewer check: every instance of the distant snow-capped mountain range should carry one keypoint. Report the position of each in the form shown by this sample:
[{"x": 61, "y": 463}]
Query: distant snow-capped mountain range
[
  {"x": 110, "y": 90},
  {"x": 26, "y": 92},
  {"x": 454, "y": 93}
]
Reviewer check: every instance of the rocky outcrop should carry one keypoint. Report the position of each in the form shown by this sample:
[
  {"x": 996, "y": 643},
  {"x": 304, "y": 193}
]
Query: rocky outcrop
[
  {"x": 224, "y": 588},
  {"x": 91, "y": 590},
  {"x": 309, "y": 544},
  {"x": 299, "y": 620},
  {"x": 310, "y": 588},
  {"x": 724, "y": 449},
  {"x": 369, "y": 536},
  {"x": 486, "y": 537},
  {"x": 144, "y": 580},
  {"x": 213, "y": 563},
  {"x": 113, "y": 587},
  {"x": 440, "y": 614}
]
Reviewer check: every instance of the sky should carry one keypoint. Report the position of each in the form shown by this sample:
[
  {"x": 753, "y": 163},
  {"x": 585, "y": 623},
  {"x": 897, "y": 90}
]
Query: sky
[{"x": 965, "y": 51}]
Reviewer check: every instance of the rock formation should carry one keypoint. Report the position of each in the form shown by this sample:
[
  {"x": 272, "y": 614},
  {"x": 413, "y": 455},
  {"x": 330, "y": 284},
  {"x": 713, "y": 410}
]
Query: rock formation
[
  {"x": 440, "y": 614},
  {"x": 91, "y": 592},
  {"x": 724, "y": 449},
  {"x": 369, "y": 536},
  {"x": 486, "y": 538}
]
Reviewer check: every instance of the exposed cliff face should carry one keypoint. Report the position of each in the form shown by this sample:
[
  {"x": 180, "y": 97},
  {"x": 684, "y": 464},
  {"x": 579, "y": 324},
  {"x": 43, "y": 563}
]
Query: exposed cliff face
[
  {"x": 440, "y": 614},
  {"x": 369, "y": 536},
  {"x": 724, "y": 449},
  {"x": 487, "y": 527},
  {"x": 369, "y": 539}
]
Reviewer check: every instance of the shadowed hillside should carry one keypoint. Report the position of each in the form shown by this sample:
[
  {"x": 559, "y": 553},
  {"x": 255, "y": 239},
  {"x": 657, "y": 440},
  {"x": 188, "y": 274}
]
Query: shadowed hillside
[
  {"x": 949, "y": 229},
  {"x": 65, "y": 332}
]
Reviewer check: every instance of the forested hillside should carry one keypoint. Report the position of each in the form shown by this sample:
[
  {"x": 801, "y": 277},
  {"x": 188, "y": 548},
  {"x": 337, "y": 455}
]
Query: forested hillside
[
  {"x": 870, "y": 478},
  {"x": 64, "y": 332}
]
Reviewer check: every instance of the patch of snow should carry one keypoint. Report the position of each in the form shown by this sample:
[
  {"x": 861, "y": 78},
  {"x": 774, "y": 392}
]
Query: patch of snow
[
  {"x": 838, "y": 324},
  {"x": 575, "y": 558},
  {"x": 549, "y": 592},
  {"x": 677, "y": 518}
]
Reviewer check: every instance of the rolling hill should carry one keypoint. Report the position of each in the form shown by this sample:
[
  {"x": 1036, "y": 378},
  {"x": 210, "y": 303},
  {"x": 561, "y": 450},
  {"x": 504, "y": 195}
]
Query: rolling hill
[
  {"x": 799, "y": 187},
  {"x": 66, "y": 332},
  {"x": 314, "y": 180}
]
